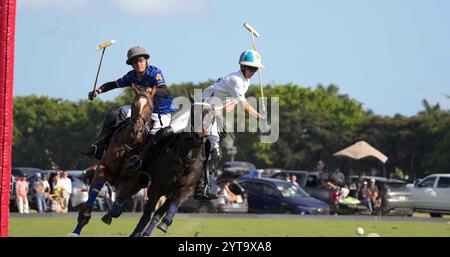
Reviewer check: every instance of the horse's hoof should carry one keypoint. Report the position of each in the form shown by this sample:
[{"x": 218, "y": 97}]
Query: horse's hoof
[
  {"x": 163, "y": 227},
  {"x": 73, "y": 235},
  {"x": 107, "y": 218}
]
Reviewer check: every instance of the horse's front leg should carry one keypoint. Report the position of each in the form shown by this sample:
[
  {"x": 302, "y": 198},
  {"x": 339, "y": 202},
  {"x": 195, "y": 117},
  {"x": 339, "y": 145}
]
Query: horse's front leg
[
  {"x": 85, "y": 213},
  {"x": 129, "y": 185}
]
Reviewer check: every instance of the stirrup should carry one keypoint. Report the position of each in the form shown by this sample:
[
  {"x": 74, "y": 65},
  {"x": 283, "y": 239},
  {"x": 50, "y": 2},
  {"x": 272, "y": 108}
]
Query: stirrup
[{"x": 204, "y": 194}]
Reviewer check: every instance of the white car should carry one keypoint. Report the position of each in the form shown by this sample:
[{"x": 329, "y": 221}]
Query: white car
[{"x": 432, "y": 195}]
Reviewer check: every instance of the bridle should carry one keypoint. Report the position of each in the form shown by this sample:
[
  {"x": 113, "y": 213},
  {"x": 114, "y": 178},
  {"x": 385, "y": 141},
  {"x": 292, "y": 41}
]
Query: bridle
[{"x": 135, "y": 116}]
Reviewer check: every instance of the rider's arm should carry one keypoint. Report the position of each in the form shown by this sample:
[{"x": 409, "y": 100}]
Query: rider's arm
[
  {"x": 107, "y": 86},
  {"x": 249, "y": 109},
  {"x": 162, "y": 91}
]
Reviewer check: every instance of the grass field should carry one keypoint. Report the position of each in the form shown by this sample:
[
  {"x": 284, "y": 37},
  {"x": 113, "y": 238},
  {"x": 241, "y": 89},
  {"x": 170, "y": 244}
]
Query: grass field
[{"x": 226, "y": 227}]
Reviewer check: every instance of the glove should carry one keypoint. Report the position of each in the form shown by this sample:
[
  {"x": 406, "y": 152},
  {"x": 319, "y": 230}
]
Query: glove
[{"x": 92, "y": 95}]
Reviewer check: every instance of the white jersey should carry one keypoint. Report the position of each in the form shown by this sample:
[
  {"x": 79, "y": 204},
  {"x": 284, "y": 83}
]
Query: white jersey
[{"x": 230, "y": 89}]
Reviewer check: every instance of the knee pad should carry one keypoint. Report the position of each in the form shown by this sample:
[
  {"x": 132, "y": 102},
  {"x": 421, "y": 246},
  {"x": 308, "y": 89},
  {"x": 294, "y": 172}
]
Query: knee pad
[{"x": 113, "y": 117}]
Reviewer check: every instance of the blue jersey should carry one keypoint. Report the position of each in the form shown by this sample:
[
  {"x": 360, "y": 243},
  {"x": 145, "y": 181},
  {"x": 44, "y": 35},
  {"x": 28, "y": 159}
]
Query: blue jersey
[{"x": 153, "y": 78}]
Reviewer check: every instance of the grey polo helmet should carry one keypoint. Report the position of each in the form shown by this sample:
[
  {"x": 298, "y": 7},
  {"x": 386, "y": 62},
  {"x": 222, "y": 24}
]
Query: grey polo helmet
[{"x": 136, "y": 51}]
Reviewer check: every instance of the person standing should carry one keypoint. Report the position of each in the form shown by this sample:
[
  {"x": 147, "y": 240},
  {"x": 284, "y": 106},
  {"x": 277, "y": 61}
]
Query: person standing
[
  {"x": 366, "y": 196},
  {"x": 66, "y": 189},
  {"x": 21, "y": 194},
  {"x": 47, "y": 188},
  {"x": 39, "y": 193},
  {"x": 374, "y": 194}
]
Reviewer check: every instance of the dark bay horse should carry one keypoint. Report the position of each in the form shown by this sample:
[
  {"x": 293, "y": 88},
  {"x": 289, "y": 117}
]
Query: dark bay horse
[
  {"x": 126, "y": 141},
  {"x": 176, "y": 170}
]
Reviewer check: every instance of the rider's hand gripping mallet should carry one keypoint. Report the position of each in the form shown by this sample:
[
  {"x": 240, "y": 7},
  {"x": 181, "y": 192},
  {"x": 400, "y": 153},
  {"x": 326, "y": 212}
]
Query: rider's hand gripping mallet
[
  {"x": 99, "y": 47},
  {"x": 256, "y": 34}
]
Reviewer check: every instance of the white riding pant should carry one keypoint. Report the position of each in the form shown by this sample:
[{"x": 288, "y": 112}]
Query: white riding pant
[
  {"x": 181, "y": 123},
  {"x": 159, "y": 120}
]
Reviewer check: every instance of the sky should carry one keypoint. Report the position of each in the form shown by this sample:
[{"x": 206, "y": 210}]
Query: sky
[{"x": 387, "y": 54}]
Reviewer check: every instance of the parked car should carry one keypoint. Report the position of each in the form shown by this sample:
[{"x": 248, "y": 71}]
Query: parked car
[
  {"x": 267, "y": 195},
  {"x": 312, "y": 183},
  {"x": 270, "y": 172},
  {"x": 432, "y": 195},
  {"x": 236, "y": 169},
  {"x": 395, "y": 196}
]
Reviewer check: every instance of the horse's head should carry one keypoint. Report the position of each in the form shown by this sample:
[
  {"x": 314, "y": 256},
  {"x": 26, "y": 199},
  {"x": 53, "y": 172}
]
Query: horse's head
[
  {"x": 141, "y": 110},
  {"x": 202, "y": 118}
]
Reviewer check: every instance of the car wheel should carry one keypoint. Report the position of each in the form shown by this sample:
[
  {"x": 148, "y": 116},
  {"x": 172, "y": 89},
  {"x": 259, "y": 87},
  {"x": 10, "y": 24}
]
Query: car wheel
[{"x": 436, "y": 215}]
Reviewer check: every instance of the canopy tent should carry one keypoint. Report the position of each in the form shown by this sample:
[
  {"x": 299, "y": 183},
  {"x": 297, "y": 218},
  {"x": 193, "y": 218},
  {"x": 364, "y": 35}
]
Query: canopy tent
[{"x": 361, "y": 150}]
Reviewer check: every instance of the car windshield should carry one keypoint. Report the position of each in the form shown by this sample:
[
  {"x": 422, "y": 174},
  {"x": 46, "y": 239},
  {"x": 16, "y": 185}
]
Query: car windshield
[{"x": 291, "y": 190}]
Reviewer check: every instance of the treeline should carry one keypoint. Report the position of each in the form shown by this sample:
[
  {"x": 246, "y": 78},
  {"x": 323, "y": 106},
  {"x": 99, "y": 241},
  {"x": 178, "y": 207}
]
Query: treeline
[{"x": 314, "y": 124}]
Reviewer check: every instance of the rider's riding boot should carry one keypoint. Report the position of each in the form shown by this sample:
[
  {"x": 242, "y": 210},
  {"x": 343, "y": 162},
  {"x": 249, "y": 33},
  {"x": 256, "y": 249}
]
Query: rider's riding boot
[
  {"x": 137, "y": 161},
  {"x": 203, "y": 189},
  {"x": 96, "y": 149}
]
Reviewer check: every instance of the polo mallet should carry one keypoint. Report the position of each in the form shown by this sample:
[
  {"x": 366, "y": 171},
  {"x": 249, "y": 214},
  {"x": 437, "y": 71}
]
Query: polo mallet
[
  {"x": 99, "y": 47},
  {"x": 256, "y": 34}
]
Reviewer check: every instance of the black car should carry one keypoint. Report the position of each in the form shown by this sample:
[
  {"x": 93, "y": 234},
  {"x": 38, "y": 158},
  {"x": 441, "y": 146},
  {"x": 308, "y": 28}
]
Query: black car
[
  {"x": 396, "y": 198},
  {"x": 314, "y": 184}
]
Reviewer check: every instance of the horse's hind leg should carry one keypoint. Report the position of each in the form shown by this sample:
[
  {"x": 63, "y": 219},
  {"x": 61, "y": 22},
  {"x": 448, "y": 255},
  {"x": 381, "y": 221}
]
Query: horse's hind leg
[
  {"x": 85, "y": 214},
  {"x": 156, "y": 217},
  {"x": 173, "y": 207},
  {"x": 154, "y": 194}
]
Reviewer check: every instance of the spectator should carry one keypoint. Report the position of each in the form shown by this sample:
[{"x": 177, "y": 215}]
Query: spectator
[
  {"x": 338, "y": 177},
  {"x": 374, "y": 194},
  {"x": 66, "y": 189},
  {"x": 21, "y": 194},
  {"x": 39, "y": 193},
  {"x": 56, "y": 203},
  {"x": 294, "y": 180},
  {"x": 320, "y": 166},
  {"x": 104, "y": 198},
  {"x": 286, "y": 178},
  {"x": 57, "y": 184},
  {"x": 228, "y": 194},
  {"x": 139, "y": 199},
  {"x": 343, "y": 191},
  {"x": 366, "y": 197},
  {"x": 47, "y": 188}
]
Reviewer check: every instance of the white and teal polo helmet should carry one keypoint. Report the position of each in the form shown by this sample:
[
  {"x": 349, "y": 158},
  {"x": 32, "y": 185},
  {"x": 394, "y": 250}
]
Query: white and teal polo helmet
[{"x": 251, "y": 58}]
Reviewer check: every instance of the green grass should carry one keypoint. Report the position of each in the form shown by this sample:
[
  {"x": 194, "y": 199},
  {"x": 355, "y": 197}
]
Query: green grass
[{"x": 240, "y": 227}]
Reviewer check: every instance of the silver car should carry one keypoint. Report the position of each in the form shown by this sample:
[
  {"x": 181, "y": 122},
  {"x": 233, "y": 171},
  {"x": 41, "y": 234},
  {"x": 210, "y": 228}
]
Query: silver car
[{"x": 432, "y": 195}]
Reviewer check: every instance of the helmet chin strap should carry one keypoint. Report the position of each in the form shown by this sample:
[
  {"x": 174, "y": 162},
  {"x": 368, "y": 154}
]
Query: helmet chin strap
[{"x": 243, "y": 67}]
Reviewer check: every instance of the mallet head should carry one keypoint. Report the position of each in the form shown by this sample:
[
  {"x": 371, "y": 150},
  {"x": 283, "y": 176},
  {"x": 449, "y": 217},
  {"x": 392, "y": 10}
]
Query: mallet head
[
  {"x": 106, "y": 44},
  {"x": 251, "y": 29}
]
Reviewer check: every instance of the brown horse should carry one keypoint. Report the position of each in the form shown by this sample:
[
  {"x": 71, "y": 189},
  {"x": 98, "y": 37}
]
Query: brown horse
[
  {"x": 176, "y": 170},
  {"x": 126, "y": 141}
]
